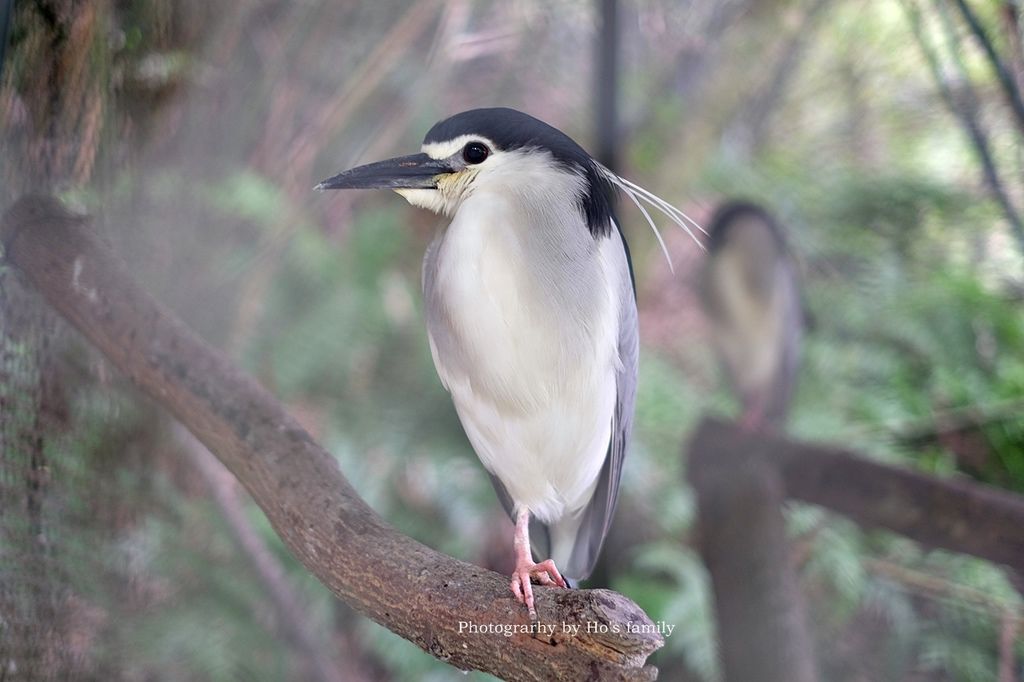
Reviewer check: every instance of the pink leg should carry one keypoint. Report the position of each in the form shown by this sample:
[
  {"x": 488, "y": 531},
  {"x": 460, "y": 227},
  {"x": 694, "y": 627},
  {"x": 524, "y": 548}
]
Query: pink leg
[
  {"x": 545, "y": 572},
  {"x": 753, "y": 417},
  {"x": 751, "y": 421}
]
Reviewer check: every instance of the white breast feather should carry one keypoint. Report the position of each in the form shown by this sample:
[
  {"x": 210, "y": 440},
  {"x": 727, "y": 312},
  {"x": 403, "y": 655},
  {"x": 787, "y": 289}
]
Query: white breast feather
[
  {"x": 753, "y": 330},
  {"x": 526, "y": 340}
]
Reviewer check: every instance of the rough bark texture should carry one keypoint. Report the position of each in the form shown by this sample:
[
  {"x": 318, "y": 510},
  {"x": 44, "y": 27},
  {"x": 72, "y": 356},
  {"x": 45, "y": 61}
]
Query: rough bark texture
[
  {"x": 742, "y": 536},
  {"x": 416, "y": 592},
  {"x": 953, "y": 514}
]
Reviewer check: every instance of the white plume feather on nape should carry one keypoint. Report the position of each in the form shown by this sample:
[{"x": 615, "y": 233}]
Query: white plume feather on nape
[{"x": 636, "y": 193}]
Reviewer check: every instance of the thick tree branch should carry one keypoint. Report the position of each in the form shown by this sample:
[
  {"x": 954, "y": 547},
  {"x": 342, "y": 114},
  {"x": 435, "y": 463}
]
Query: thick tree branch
[
  {"x": 742, "y": 537},
  {"x": 950, "y": 514},
  {"x": 418, "y": 593}
]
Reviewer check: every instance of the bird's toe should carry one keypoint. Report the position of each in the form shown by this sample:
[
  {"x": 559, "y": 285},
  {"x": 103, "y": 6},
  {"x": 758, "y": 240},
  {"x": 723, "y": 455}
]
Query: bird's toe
[
  {"x": 547, "y": 573},
  {"x": 523, "y": 589}
]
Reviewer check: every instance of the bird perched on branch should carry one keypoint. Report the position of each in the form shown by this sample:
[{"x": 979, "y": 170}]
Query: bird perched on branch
[
  {"x": 750, "y": 293},
  {"x": 532, "y": 322}
]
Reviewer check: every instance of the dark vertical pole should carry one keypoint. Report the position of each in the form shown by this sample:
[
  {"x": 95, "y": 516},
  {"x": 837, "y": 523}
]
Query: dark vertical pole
[
  {"x": 762, "y": 630},
  {"x": 607, "y": 86},
  {"x": 5, "y": 22}
]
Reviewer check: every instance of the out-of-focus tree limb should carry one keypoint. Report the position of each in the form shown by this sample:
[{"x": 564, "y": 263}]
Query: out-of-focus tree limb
[
  {"x": 287, "y": 606},
  {"x": 749, "y": 128},
  {"x": 964, "y": 108},
  {"x": 1002, "y": 73},
  {"x": 416, "y": 592},
  {"x": 690, "y": 67},
  {"x": 1008, "y": 616},
  {"x": 939, "y": 588},
  {"x": 951, "y": 514},
  {"x": 762, "y": 628},
  {"x": 972, "y": 417},
  {"x": 1011, "y": 20}
]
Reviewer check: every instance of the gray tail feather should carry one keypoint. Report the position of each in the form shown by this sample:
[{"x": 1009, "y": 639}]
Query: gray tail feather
[{"x": 540, "y": 541}]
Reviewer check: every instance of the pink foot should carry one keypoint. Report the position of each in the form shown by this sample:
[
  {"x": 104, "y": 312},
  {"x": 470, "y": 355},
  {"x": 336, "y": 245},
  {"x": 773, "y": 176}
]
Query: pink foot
[
  {"x": 753, "y": 418},
  {"x": 751, "y": 422},
  {"x": 546, "y": 574}
]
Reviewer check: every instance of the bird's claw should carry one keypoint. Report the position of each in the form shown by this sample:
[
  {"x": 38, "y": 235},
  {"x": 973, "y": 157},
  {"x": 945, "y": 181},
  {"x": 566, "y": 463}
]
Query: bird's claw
[{"x": 522, "y": 587}]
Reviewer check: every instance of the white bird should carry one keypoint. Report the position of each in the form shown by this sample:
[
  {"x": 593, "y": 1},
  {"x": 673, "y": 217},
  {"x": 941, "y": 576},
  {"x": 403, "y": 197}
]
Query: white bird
[
  {"x": 532, "y": 322},
  {"x": 752, "y": 298}
]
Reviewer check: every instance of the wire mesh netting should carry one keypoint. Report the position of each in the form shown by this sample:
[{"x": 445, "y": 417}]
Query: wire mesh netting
[{"x": 35, "y": 526}]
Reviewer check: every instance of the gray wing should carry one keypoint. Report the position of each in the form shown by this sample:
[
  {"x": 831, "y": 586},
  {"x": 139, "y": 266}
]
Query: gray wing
[
  {"x": 437, "y": 331},
  {"x": 597, "y": 515}
]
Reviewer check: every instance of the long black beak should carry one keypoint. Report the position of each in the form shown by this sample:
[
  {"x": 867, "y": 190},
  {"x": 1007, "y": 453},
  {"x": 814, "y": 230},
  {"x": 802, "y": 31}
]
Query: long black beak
[{"x": 417, "y": 171}]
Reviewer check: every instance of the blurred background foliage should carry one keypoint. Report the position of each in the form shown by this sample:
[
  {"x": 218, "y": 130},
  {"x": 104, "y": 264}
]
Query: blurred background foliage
[{"x": 194, "y": 131}]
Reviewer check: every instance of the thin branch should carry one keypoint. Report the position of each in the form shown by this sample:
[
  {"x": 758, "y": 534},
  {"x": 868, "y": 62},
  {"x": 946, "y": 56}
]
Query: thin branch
[
  {"x": 422, "y": 595},
  {"x": 394, "y": 46},
  {"x": 287, "y": 605},
  {"x": 1008, "y": 616},
  {"x": 689, "y": 68},
  {"x": 964, "y": 110},
  {"x": 956, "y": 419},
  {"x": 748, "y": 129},
  {"x": 915, "y": 431},
  {"x": 1002, "y": 73},
  {"x": 940, "y": 589},
  {"x": 333, "y": 114},
  {"x": 1011, "y": 20},
  {"x": 1015, "y": 39}
]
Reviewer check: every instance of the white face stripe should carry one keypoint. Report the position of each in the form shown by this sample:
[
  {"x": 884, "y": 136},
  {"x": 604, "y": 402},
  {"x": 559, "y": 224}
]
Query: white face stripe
[{"x": 442, "y": 150}]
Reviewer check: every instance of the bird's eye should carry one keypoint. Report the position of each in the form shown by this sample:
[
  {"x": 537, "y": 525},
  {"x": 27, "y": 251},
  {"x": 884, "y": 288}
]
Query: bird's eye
[{"x": 475, "y": 152}]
